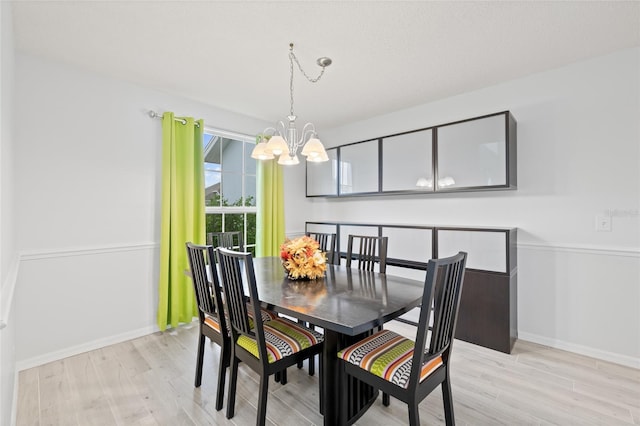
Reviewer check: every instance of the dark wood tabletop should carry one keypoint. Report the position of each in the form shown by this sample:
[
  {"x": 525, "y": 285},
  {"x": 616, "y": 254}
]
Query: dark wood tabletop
[
  {"x": 346, "y": 300},
  {"x": 347, "y": 303}
]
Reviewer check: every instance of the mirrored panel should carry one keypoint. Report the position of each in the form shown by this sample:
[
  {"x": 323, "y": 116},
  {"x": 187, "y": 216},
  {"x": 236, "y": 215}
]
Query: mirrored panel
[
  {"x": 345, "y": 230},
  {"x": 472, "y": 153},
  {"x": 359, "y": 168},
  {"x": 321, "y": 227},
  {"x": 412, "y": 244},
  {"x": 322, "y": 178},
  {"x": 407, "y": 162},
  {"x": 486, "y": 250}
]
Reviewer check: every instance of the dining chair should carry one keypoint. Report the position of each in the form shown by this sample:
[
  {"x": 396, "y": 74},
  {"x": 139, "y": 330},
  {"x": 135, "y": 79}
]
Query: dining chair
[
  {"x": 370, "y": 250},
  {"x": 232, "y": 240},
  {"x": 267, "y": 348},
  {"x": 327, "y": 243},
  {"x": 211, "y": 313},
  {"x": 410, "y": 370}
]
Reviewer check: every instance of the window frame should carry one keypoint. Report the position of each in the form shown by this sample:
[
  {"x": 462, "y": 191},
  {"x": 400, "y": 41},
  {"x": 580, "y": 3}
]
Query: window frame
[{"x": 247, "y": 140}]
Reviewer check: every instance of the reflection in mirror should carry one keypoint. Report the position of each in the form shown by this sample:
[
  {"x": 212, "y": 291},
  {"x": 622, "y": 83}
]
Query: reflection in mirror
[
  {"x": 407, "y": 162},
  {"x": 359, "y": 168},
  {"x": 472, "y": 153}
]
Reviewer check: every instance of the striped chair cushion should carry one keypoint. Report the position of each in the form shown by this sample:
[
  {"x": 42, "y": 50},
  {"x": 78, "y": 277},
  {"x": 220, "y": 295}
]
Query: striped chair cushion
[
  {"x": 267, "y": 315},
  {"x": 283, "y": 338},
  {"x": 388, "y": 355}
]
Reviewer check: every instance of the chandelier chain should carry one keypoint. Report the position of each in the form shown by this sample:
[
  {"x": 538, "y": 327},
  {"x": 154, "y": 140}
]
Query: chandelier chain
[{"x": 292, "y": 58}]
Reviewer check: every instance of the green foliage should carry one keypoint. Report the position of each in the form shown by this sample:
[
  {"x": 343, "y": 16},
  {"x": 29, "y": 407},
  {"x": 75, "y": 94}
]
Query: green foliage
[{"x": 232, "y": 221}]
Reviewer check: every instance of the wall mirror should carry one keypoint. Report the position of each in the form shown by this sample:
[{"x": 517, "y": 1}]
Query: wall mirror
[
  {"x": 322, "y": 178},
  {"x": 414, "y": 151},
  {"x": 472, "y": 154},
  {"x": 359, "y": 168}
]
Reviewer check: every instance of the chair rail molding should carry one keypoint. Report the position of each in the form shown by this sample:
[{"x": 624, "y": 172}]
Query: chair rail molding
[
  {"x": 582, "y": 249},
  {"x": 8, "y": 290},
  {"x": 88, "y": 250}
]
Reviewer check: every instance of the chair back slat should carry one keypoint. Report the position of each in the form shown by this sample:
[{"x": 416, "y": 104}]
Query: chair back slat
[
  {"x": 231, "y": 274},
  {"x": 442, "y": 291},
  {"x": 232, "y": 240},
  {"x": 206, "y": 285},
  {"x": 371, "y": 250},
  {"x": 327, "y": 242}
]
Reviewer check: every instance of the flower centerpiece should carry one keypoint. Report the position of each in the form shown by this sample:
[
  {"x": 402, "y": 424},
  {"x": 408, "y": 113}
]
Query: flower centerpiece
[{"x": 303, "y": 259}]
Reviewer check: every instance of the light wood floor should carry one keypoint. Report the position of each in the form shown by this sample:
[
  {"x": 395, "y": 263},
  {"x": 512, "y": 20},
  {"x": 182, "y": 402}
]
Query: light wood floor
[{"x": 149, "y": 381}]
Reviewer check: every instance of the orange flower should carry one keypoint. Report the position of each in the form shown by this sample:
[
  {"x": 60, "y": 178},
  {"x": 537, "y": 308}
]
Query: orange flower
[{"x": 302, "y": 258}]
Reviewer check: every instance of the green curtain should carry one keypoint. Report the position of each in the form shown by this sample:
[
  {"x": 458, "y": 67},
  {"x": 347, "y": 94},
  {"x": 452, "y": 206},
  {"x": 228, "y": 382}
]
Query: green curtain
[
  {"x": 270, "y": 201},
  {"x": 182, "y": 216}
]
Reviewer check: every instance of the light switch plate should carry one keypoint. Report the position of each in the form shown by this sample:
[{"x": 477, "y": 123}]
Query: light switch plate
[{"x": 603, "y": 223}]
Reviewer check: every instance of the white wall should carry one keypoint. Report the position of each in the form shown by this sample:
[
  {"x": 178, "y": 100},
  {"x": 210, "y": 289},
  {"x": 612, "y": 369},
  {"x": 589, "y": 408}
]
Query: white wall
[
  {"x": 8, "y": 254},
  {"x": 578, "y": 157},
  {"x": 87, "y": 165}
]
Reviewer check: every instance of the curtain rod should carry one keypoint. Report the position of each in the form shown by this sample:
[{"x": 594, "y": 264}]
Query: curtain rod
[{"x": 154, "y": 114}]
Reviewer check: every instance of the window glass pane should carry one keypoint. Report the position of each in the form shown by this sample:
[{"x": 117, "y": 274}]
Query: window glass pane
[
  {"x": 249, "y": 163},
  {"x": 230, "y": 184},
  {"x": 249, "y": 190},
  {"x": 231, "y": 189},
  {"x": 234, "y": 222},
  {"x": 211, "y": 188},
  {"x": 231, "y": 155},
  {"x": 214, "y": 223}
]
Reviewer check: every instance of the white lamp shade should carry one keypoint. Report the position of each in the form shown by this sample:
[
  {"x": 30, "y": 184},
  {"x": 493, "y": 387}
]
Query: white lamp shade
[
  {"x": 313, "y": 147},
  {"x": 318, "y": 158},
  {"x": 287, "y": 160},
  {"x": 277, "y": 145},
  {"x": 260, "y": 152}
]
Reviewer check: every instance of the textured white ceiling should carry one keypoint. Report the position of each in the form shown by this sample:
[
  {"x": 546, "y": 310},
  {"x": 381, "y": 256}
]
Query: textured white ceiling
[{"x": 387, "y": 55}]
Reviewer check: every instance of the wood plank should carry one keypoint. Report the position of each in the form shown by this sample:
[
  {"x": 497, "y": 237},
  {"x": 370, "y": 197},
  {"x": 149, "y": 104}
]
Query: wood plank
[{"x": 149, "y": 381}]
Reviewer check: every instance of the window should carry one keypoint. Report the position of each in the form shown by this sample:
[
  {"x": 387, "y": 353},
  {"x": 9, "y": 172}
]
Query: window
[{"x": 230, "y": 184}]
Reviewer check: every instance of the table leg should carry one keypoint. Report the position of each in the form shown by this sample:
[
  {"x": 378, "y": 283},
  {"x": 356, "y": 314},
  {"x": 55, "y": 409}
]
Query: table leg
[
  {"x": 359, "y": 394},
  {"x": 330, "y": 383}
]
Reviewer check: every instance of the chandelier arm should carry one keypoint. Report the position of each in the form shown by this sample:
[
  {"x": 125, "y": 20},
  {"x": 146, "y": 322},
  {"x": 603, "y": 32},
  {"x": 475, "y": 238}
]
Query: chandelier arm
[
  {"x": 308, "y": 131},
  {"x": 268, "y": 130}
]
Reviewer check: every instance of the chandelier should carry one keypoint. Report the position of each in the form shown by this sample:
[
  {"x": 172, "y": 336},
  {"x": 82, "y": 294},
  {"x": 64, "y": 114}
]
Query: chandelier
[{"x": 284, "y": 141}]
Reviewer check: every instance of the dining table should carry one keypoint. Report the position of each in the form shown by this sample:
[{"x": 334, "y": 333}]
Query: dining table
[{"x": 349, "y": 304}]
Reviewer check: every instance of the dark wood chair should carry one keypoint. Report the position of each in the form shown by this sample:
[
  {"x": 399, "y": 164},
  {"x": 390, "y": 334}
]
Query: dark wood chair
[
  {"x": 327, "y": 243},
  {"x": 212, "y": 319},
  {"x": 211, "y": 313},
  {"x": 232, "y": 240},
  {"x": 370, "y": 250},
  {"x": 267, "y": 348},
  {"x": 410, "y": 370}
]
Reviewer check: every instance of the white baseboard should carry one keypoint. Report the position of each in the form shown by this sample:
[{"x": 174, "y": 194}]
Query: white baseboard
[
  {"x": 85, "y": 347},
  {"x": 628, "y": 361}
]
